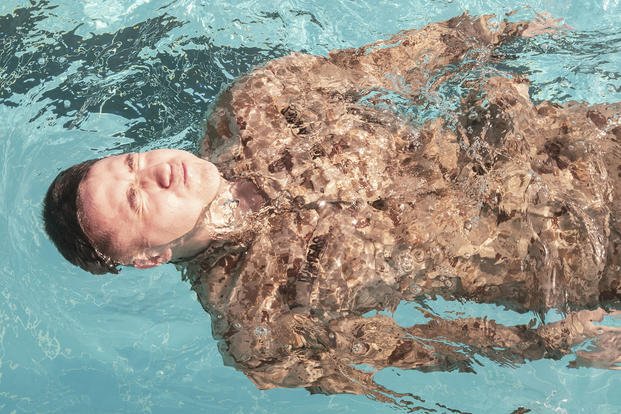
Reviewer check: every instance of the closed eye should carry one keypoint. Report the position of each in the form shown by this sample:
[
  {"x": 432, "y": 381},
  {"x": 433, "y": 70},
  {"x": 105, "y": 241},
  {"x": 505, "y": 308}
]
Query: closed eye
[
  {"x": 132, "y": 199},
  {"x": 130, "y": 161},
  {"x": 132, "y": 193}
]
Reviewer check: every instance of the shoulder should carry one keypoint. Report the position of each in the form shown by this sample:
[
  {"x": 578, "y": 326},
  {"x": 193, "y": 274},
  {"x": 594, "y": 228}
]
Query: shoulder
[{"x": 257, "y": 103}]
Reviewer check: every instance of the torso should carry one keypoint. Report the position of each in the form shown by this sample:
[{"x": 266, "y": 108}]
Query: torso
[{"x": 372, "y": 210}]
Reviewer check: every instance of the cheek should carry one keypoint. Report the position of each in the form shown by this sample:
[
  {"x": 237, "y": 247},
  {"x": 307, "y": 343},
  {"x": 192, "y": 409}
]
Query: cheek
[{"x": 176, "y": 215}]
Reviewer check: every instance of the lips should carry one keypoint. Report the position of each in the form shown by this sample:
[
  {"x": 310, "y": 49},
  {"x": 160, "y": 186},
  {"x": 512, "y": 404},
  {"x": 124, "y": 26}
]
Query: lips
[
  {"x": 171, "y": 176},
  {"x": 175, "y": 175}
]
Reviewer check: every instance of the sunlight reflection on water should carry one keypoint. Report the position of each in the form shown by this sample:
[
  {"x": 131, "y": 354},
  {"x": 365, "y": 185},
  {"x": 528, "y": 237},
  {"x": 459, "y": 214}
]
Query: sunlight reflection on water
[{"x": 78, "y": 82}]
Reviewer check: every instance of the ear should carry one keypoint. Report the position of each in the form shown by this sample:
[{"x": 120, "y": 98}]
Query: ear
[{"x": 152, "y": 258}]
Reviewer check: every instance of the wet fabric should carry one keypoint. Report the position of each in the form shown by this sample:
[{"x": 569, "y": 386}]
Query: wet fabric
[{"x": 507, "y": 202}]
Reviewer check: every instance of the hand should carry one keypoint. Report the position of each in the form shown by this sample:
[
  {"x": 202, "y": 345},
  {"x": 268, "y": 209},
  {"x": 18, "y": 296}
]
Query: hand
[
  {"x": 604, "y": 351},
  {"x": 544, "y": 23}
]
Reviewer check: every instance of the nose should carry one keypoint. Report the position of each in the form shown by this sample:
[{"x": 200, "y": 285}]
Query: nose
[{"x": 159, "y": 175}]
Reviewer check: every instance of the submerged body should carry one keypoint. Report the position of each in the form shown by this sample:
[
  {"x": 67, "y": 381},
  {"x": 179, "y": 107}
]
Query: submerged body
[{"x": 510, "y": 203}]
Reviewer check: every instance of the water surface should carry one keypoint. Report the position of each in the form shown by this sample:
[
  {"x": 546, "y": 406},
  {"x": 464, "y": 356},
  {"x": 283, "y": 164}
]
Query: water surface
[{"x": 80, "y": 80}]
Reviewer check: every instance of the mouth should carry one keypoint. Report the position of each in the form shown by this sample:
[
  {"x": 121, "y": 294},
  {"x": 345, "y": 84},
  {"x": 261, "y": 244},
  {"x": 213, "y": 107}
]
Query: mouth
[
  {"x": 178, "y": 174},
  {"x": 171, "y": 176}
]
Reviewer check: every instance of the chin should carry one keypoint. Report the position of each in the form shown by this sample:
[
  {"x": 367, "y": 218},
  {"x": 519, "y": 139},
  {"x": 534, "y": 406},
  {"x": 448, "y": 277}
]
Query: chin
[{"x": 208, "y": 179}]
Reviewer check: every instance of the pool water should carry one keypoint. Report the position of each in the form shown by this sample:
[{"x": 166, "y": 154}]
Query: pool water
[{"x": 80, "y": 80}]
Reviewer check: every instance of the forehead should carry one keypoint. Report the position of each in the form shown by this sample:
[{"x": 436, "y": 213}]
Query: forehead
[
  {"x": 103, "y": 202},
  {"x": 100, "y": 186}
]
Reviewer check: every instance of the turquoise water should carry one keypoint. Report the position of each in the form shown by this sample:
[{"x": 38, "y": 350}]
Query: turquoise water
[{"x": 82, "y": 79}]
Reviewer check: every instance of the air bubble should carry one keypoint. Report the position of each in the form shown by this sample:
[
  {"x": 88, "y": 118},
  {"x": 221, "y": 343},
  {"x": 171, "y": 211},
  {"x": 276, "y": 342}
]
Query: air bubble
[
  {"x": 419, "y": 255},
  {"x": 405, "y": 262},
  {"x": 261, "y": 331},
  {"x": 359, "y": 348}
]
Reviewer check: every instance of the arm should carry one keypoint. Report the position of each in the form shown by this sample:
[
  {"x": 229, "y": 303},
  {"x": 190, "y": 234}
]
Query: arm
[
  {"x": 407, "y": 60},
  {"x": 403, "y": 63},
  {"x": 323, "y": 358},
  {"x": 517, "y": 344}
]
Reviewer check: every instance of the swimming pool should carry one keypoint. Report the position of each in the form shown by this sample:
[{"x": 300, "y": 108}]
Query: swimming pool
[{"x": 79, "y": 81}]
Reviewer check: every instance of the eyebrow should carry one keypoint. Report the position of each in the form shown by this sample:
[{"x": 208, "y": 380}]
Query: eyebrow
[
  {"x": 131, "y": 191},
  {"x": 129, "y": 161},
  {"x": 131, "y": 198}
]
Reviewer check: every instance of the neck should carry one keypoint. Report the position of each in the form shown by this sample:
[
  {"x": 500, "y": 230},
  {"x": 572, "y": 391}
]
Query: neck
[{"x": 221, "y": 218}]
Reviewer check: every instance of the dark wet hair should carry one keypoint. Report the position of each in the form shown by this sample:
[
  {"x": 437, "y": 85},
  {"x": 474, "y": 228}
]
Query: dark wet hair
[{"x": 62, "y": 224}]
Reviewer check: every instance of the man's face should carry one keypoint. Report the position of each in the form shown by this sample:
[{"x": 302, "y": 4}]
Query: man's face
[{"x": 143, "y": 200}]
